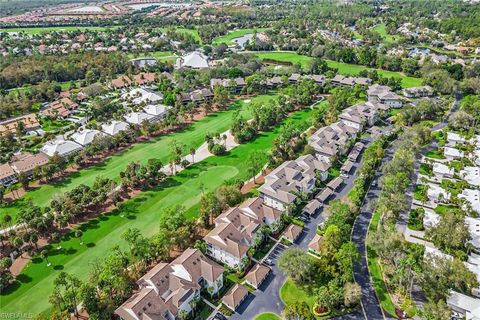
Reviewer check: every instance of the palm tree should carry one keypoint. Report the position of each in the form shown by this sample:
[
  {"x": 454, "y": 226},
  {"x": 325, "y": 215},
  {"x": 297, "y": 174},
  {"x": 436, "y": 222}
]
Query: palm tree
[
  {"x": 44, "y": 255},
  {"x": 224, "y": 137},
  {"x": 7, "y": 219},
  {"x": 34, "y": 240},
  {"x": 79, "y": 234}
]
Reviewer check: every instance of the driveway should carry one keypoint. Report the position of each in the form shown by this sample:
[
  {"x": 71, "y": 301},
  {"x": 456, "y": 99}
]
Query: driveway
[{"x": 267, "y": 298}]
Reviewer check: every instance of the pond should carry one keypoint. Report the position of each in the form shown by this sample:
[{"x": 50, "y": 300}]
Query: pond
[{"x": 241, "y": 41}]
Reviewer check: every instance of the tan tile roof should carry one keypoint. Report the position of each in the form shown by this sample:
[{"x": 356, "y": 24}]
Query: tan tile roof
[
  {"x": 166, "y": 286},
  {"x": 322, "y": 196},
  {"x": 62, "y": 107},
  {"x": 254, "y": 207},
  {"x": 292, "y": 232},
  {"x": 335, "y": 183},
  {"x": 312, "y": 206},
  {"x": 30, "y": 123},
  {"x": 257, "y": 275},
  {"x": 235, "y": 296},
  {"x": 144, "y": 78},
  {"x": 229, "y": 239},
  {"x": 121, "y": 82},
  {"x": 315, "y": 243},
  {"x": 6, "y": 171},
  {"x": 27, "y": 162}
]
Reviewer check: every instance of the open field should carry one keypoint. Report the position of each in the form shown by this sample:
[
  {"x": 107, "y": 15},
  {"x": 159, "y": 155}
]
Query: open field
[
  {"x": 159, "y": 55},
  {"x": 387, "y": 38},
  {"x": 343, "y": 68},
  {"x": 158, "y": 148},
  {"x": 235, "y": 34},
  {"x": 192, "y": 32},
  {"x": 142, "y": 212},
  {"x": 40, "y": 30}
]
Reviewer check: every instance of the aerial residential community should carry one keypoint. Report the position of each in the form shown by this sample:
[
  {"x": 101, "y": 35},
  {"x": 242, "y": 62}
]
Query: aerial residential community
[{"x": 257, "y": 160}]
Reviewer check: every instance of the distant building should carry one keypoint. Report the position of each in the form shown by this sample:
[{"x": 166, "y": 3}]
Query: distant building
[
  {"x": 140, "y": 95},
  {"x": 60, "y": 109},
  {"x": 142, "y": 63},
  {"x": 61, "y": 147},
  {"x": 418, "y": 92},
  {"x": 120, "y": 82},
  {"x": 29, "y": 123},
  {"x": 384, "y": 94},
  {"x": 7, "y": 175},
  {"x": 282, "y": 184},
  {"x": 193, "y": 60},
  {"x": 114, "y": 127},
  {"x": 157, "y": 111},
  {"x": 26, "y": 162},
  {"x": 138, "y": 117},
  {"x": 85, "y": 136}
]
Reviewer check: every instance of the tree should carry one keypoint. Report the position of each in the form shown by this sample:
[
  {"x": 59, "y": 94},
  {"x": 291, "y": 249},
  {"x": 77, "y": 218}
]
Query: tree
[
  {"x": 297, "y": 264},
  {"x": 23, "y": 179},
  {"x": 79, "y": 234},
  {"x": 439, "y": 275},
  {"x": 210, "y": 208},
  {"x": 461, "y": 120},
  {"x": 192, "y": 153},
  {"x": 220, "y": 97},
  {"x": 331, "y": 295},
  {"x": 352, "y": 294},
  {"x": 451, "y": 233},
  {"x": 436, "y": 310},
  {"x": 255, "y": 163},
  {"x": 5, "y": 274},
  {"x": 44, "y": 255},
  {"x": 68, "y": 287}
]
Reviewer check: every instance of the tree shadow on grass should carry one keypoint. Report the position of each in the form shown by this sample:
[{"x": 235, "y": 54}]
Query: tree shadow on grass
[
  {"x": 58, "y": 267},
  {"x": 23, "y": 278},
  {"x": 90, "y": 245}
]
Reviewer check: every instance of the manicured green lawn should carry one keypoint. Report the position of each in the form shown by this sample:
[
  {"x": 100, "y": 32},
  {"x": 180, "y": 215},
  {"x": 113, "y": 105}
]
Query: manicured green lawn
[
  {"x": 142, "y": 212},
  {"x": 155, "y": 54},
  {"x": 267, "y": 316},
  {"x": 50, "y": 29},
  {"x": 192, "y": 32},
  {"x": 50, "y": 125},
  {"x": 158, "y": 148},
  {"x": 159, "y": 55},
  {"x": 343, "y": 68},
  {"x": 387, "y": 38},
  {"x": 235, "y": 34},
  {"x": 435, "y": 154},
  {"x": 290, "y": 293}
]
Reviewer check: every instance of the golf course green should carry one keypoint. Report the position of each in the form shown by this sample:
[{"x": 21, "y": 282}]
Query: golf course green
[
  {"x": 193, "y": 136},
  {"x": 343, "y": 68},
  {"x": 34, "y": 285}
]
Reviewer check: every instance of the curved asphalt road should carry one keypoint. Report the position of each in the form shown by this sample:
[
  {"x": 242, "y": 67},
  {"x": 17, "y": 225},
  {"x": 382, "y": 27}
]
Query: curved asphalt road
[{"x": 370, "y": 304}]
